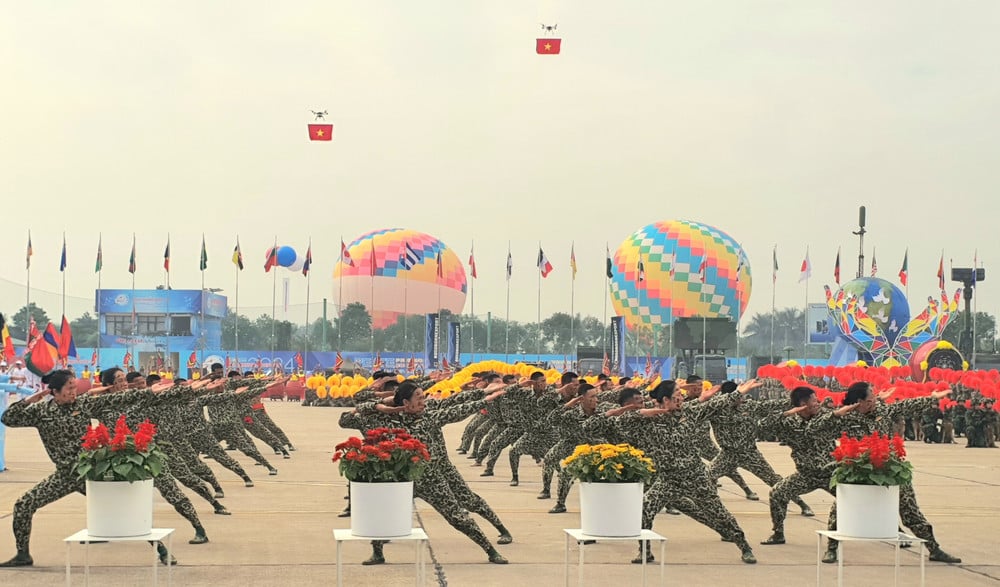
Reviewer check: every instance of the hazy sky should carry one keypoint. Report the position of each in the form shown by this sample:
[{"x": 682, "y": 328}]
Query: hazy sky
[{"x": 772, "y": 121}]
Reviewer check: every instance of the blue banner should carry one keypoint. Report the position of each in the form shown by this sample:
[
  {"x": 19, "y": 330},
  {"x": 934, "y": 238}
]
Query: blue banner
[
  {"x": 160, "y": 301},
  {"x": 454, "y": 341},
  {"x": 431, "y": 341}
]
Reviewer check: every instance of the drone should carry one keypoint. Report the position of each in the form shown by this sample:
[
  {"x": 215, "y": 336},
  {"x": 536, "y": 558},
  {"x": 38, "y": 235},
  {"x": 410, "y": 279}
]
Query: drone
[
  {"x": 549, "y": 28},
  {"x": 319, "y": 115}
]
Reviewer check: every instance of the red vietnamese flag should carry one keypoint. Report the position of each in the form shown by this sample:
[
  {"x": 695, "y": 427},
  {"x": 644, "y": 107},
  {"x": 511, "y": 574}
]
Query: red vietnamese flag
[
  {"x": 548, "y": 46},
  {"x": 320, "y": 132}
]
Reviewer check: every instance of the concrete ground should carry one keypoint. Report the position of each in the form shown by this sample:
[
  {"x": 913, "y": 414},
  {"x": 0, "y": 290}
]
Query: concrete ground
[{"x": 280, "y": 530}]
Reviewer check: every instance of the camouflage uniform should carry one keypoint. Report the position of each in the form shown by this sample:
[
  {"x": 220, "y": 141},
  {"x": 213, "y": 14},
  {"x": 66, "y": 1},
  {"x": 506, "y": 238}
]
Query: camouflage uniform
[
  {"x": 471, "y": 430},
  {"x": 512, "y": 424},
  {"x": 811, "y": 442},
  {"x": 201, "y": 439},
  {"x": 254, "y": 426},
  {"x": 703, "y": 443},
  {"x": 569, "y": 426},
  {"x": 261, "y": 415},
  {"x": 681, "y": 478},
  {"x": 227, "y": 424},
  {"x": 736, "y": 430},
  {"x": 186, "y": 466},
  {"x": 441, "y": 485},
  {"x": 881, "y": 419},
  {"x": 539, "y": 436},
  {"x": 60, "y": 428}
]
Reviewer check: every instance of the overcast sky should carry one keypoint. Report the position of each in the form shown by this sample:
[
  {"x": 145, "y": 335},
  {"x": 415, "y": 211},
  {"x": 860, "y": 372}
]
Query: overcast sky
[{"x": 772, "y": 121}]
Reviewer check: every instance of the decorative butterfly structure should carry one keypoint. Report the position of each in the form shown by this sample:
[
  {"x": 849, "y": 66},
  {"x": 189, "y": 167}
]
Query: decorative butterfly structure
[{"x": 889, "y": 344}]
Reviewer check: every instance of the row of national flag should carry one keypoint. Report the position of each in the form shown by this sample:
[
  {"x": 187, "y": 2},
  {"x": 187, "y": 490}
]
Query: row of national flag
[
  {"x": 409, "y": 258},
  {"x": 45, "y": 350},
  {"x": 805, "y": 271}
]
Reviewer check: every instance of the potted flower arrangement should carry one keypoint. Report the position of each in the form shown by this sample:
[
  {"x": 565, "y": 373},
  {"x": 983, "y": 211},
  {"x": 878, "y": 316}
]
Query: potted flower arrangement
[
  {"x": 381, "y": 468},
  {"x": 867, "y": 478},
  {"x": 119, "y": 471},
  {"x": 611, "y": 480}
]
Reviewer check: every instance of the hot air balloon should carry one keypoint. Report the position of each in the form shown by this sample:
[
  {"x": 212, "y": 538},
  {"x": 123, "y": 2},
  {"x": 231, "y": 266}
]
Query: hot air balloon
[
  {"x": 413, "y": 273},
  {"x": 674, "y": 254}
]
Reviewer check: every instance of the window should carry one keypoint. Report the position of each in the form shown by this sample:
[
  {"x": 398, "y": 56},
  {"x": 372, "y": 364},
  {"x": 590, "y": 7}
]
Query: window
[
  {"x": 151, "y": 324},
  {"x": 118, "y": 324}
]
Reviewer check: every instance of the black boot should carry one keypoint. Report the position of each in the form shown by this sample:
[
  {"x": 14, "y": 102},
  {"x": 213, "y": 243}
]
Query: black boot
[
  {"x": 377, "y": 557},
  {"x": 514, "y": 482},
  {"x": 199, "y": 536},
  {"x": 937, "y": 555},
  {"x": 165, "y": 557},
  {"x": 21, "y": 559}
]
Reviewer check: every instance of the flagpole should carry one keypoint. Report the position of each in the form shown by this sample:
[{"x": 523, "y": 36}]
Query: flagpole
[
  {"x": 27, "y": 303},
  {"x": 100, "y": 269},
  {"x": 606, "y": 294},
  {"x": 131, "y": 345},
  {"x": 739, "y": 308},
  {"x": 975, "y": 305},
  {"x": 201, "y": 265},
  {"x": 406, "y": 281},
  {"x": 340, "y": 299},
  {"x": 506, "y": 334},
  {"x": 236, "y": 321},
  {"x": 274, "y": 294},
  {"x": 472, "y": 323},
  {"x": 572, "y": 300},
  {"x": 64, "y": 279},
  {"x": 167, "y": 322},
  {"x": 305, "y": 354},
  {"x": 805, "y": 317},
  {"x": 371, "y": 311},
  {"x": 538, "y": 344},
  {"x": 774, "y": 281}
]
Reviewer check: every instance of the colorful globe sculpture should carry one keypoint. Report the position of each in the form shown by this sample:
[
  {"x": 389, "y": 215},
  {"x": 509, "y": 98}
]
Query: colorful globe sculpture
[
  {"x": 672, "y": 253},
  {"x": 422, "y": 289},
  {"x": 882, "y": 301}
]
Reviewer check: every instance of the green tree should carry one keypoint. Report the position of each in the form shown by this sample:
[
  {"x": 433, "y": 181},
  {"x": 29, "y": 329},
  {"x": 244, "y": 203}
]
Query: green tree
[
  {"x": 16, "y": 322},
  {"x": 85, "y": 330},
  {"x": 250, "y": 336},
  {"x": 789, "y": 325},
  {"x": 356, "y": 327},
  {"x": 985, "y": 331}
]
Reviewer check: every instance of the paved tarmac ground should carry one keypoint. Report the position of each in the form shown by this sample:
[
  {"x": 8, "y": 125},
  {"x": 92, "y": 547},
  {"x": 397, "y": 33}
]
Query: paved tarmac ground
[{"x": 280, "y": 530}]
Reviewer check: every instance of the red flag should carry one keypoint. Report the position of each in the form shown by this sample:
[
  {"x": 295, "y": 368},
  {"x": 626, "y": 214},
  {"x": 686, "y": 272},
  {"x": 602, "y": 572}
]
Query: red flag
[
  {"x": 543, "y": 263},
  {"x": 412, "y": 365},
  {"x": 320, "y": 132},
  {"x": 377, "y": 364},
  {"x": 67, "y": 346},
  {"x": 440, "y": 266},
  {"x": 606, "y": 366},
  {"x": 703, "y": 269},
  {"x": 444, "y": 363},
  {"x": 272, "y": 259},
  {"x": 649, "y": 365},
  {"x": 298, "y": 360},
  {"x": 904, "y": 271},
  {"x": 373, "y": 259},
  {"x": 940, "y": 273},
  {"x": 227, "y": 362},
  {"x": 93, "y": 357},
  {"x": 548, "y": 46},
  {"x": 345, "y": 255},
  {"x": 836, "y": 269},
  {"x": 127, "y": 361},
  {"x": 193, "y": 359},
  {"x": 472, "y": 262}
]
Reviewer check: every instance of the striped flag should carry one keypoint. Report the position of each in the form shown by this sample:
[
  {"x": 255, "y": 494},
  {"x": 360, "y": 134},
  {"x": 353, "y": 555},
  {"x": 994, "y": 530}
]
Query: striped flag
[
  {"x": 238, "y": 255},
  {"x": 345, "y": 255},
  {"x": 543, "y": 263},
  {"x": 440, "y": 266},
  {"x": 774, "y": 273},
  {"x": 30, "y": 252},
  {"x": 271, "y": 259},
  {"x": 607, "y": 265},
  {"x": 673, "y": 264},
  {"x": 703, "y": 269},
  {"x": 409, "y": 258},
  {"x": 940, "y": 273},
  {"x": 510, "y": 265},
  {"x": 166, "y": 256},
  {"x": 307, "y": 264},
  {"x": 874, "y": 264}
]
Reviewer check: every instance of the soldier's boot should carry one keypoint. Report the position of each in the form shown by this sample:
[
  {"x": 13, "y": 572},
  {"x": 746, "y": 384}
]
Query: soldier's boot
[
  {"x": 776, "y": 538},
  {"x": 672, "y": 511},
  {"x": 220, "y": 509},
  {"x": 346, "y": 513},
  {"x": 199, "y": 536},
  {"x": 377, "y": 557},
  {"x": 559, "y": 508},
  {"x": 505, "y": 537},
  {"x": 545, "y": 494},
  {"x": 272, "y": 471},
  {"x": 746, "y": 553},
  {"x": 752, "y": 496},
  {"x": 284, "y": 453},
  {"x": 806, "y": 510},
  {"x": 831, "y": 553},
  {"x": 514, "y": 482},
  {"x": 649, "y": 554},
  {"x": 940, "y": 556},
  {"x": 247, "y": 481},
  {"x": 487, "y": 473},
  {"x": 496, "y": 558},
  {"x": 21, "y": 559},
  {"x": 166, "y": 558},
  {"x": 462, "y": 450},
  {"x": 291, "y": 448}
]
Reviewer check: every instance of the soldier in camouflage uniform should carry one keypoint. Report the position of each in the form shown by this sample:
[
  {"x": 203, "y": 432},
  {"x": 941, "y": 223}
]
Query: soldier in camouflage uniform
[
  {"x": 568, "y": 422},
  {"x": 539, "y": 435},
  {"x": 736, "y": 430},
  {"x": 61, "y": 423},
  {"x": 702, "y": 440},
  {"x": 260, "y": 417},
  {"x": 812, "y": 437},
  {"x": 202, "y": 441},
  {"x": 870, "y": 415},
  {"x": 440, "y": 486},
  {"x": 227, "y": 424},
  {"x": 663, "y": 433},
  {"x": 515, "y": 420}
]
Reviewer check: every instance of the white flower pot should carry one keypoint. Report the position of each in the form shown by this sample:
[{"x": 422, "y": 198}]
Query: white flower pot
[
  {"x": 610, "y": 509},
  {"x": 381, "y": 510},
  {"x": 867, "y": 511},
  {"x": 119, "y": 508}
]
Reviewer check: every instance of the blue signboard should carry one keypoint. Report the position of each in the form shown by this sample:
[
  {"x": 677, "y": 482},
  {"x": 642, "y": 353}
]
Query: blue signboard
[{"x": 160, "y": 301}]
